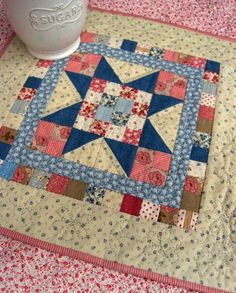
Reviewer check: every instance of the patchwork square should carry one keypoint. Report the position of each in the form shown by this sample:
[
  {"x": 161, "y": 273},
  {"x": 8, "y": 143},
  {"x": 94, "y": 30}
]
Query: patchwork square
[
  {"x": 151, "y": 166},
  {"x": 22, "y": 175},
  {"x": 109, "y": 100},
  {"x": 57, "y": 183},
  {"x": 124, "y": 106},
  {"x": 7, "y": 134},
  {"x": 131, "y": 205},
  {"x": 83, "y": 63},
  {"x": 119, "y": 118},
  {"x": 50, "y": 138},
  {"x": 39, "y": 179},
  {"x": 104, "y": 114},
  {"x": 20, "y": 106},
  {"x": 26, "y": 94},
  {"x": 171, "y": 84}
]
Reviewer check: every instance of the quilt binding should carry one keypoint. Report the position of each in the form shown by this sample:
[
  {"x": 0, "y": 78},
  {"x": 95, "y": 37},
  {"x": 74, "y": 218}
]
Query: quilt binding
[{"x": 111, "y": 265}]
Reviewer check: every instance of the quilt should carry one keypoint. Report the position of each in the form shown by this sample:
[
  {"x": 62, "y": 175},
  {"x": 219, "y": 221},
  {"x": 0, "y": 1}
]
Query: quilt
[
  {"x": 118, "y": 133},
  {"x": 133, "y": 135}
]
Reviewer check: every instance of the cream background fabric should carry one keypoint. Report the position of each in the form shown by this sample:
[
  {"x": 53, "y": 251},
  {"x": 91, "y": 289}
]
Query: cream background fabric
[{"x": 206, "y": 256}]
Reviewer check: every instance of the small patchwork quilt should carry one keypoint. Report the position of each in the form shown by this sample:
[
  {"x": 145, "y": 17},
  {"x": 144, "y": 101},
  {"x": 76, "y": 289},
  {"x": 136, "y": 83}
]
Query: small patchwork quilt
[{"x": 117, "y": 124}]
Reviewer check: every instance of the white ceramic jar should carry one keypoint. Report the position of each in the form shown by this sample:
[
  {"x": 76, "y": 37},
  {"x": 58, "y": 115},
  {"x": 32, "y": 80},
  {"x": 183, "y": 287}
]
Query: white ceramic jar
[{"x": 49, "y": 28}]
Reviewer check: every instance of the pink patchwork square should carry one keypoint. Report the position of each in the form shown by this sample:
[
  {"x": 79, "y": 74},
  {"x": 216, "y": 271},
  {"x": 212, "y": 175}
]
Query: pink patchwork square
[
  {"x": 161, "y": 160},
  {"x": 83, "y": 63},
  {"x": 171, "y": 56},
  {"x": 171, "y": 84},
  {"x": 50, "y": 138},
  {"x": 178, "y": 89},
  {"x": 87, "y": 37},
  {"x": 45, "y": 129},
  {"x": 57, "y": 183},
  {"x": 132, "y": 136},
  {"x": 93, "y": 59},
  {"x": 149, "y": 211},
  {"x": 99, "y": 127},
  {"x": 44, "y": 63},
  {"x": 206, "y": 112},
  {"x": 55, "y": 147},
  {"x": 76, "y": 67},
  {"x": 98, "y": 85},
  {"x": 26, "y": 94},
  {"x": 88, "y": 109},
  {"x": 147, "y": 167}
]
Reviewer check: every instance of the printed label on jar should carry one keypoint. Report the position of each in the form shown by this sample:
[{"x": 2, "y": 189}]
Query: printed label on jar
[{"x": 43, "y": 19}]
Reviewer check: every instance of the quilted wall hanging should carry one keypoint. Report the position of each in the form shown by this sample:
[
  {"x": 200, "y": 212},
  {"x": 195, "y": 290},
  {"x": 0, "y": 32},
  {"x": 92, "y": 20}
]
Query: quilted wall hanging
[
  {"x": 111, "y": 140},
  {"x": 134, "y": 136}
]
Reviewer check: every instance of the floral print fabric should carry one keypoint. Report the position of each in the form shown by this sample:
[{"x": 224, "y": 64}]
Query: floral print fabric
[
  {"x": 215, "y": 18},
  {"x": 24, "y": 268}
]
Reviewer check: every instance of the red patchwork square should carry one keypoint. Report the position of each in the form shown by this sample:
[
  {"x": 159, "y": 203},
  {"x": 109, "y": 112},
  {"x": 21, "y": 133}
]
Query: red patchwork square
[
  {"x": 93, "y": 59},
  {"x": 128, "y": 92},
  {"x": 99, "y": 127},
  {"x": 44, "y": 129},
  {"x": 140, "y": 109},
  {"x": 22, "y": 175},
  {"x": 26, "y": 94},
  {"x": 88, "y": 109},
  {"x": 132, "y": 136},
  {"x": 206, "y": 112},
  {"x": 98, "y": 85},
  {"x": 131, "y": 205},
  {"x": 57, "y": 183},
  {"x": 184, "y": 59},
  {"x": 211, "y": 77}
]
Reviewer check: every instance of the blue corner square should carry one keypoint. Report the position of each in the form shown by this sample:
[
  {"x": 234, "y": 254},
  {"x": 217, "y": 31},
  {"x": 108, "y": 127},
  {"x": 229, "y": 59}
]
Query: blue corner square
[
  {"x": 124, "y": 106},
  {"x": 33, "y": 82},
  {"x": 7, "y": 169},
  {"x": 4, "y": 149},
  {"x": 104, "y": 113},
  {"x": 199, "y": 154},
  {"x": 212, "y": 66},
  {"x": 128, "y": 45}
]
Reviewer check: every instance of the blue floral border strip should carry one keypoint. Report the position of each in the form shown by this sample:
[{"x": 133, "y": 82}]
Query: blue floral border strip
[{"x": 170, "y": 195}]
